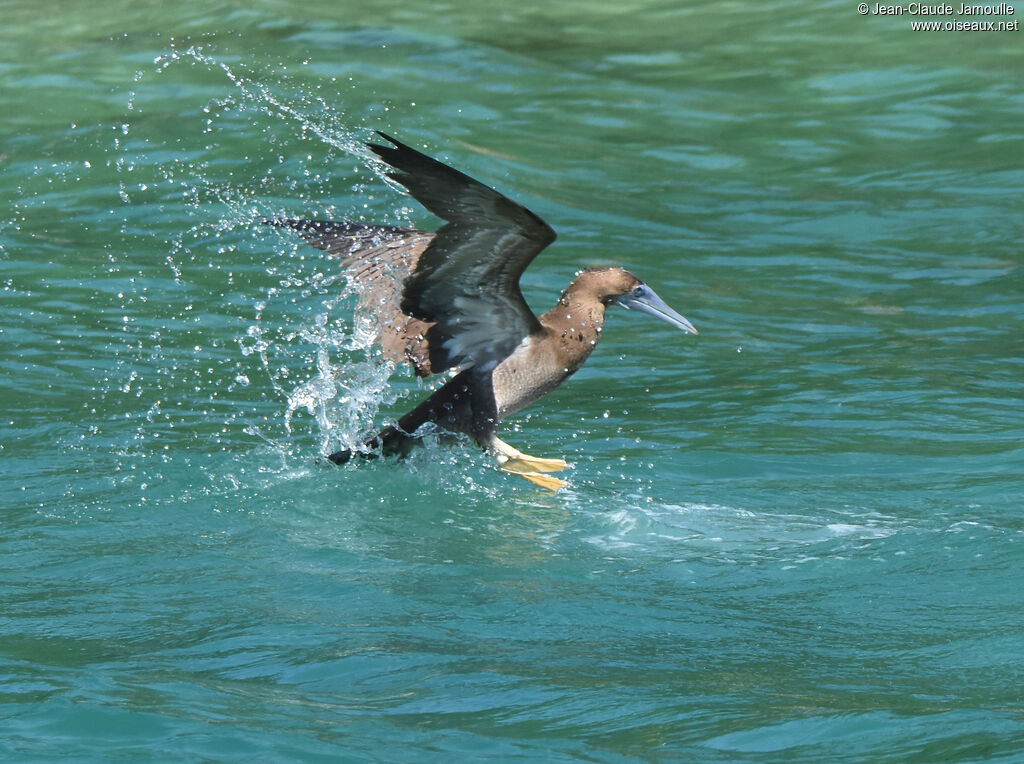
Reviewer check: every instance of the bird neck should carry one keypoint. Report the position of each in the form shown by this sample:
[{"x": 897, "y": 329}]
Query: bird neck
[{"x": 575, "y": 325}]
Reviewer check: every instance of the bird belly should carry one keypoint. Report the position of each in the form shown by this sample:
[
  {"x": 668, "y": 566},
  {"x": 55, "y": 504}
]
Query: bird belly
[{"x": 524, "y": 377}]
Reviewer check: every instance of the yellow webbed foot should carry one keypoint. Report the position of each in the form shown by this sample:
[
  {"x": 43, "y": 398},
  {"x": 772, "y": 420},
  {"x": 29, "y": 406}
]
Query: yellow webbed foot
[
  {"x": 530, "y": 467},
  {"x": 523, "y": 464},
  {"x": 544, "y": 481}
]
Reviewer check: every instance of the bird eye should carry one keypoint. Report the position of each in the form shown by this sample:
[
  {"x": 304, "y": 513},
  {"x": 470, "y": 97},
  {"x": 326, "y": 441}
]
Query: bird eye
[{"x": 639, "y": 290}]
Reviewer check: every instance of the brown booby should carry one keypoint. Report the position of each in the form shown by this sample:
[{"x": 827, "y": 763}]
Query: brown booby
[{"x": 450, "y": 300}]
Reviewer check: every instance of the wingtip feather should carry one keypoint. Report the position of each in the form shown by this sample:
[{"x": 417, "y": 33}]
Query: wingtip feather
[
  {"x": 384, "y": 151},
  {"x": 296, "y": 224}
]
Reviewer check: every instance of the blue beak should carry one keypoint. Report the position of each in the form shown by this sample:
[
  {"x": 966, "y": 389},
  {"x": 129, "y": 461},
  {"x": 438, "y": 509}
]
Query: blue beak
[{"x": 644, "y": 299}]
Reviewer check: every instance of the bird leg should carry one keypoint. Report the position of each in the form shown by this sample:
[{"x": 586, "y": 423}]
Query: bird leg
[
  {"x": 484, "y": 424},
  {"x": 530, "y": 467}
]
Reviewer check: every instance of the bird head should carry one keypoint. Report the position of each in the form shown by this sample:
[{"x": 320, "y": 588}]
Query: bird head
[{"x": 620, "y": 287}]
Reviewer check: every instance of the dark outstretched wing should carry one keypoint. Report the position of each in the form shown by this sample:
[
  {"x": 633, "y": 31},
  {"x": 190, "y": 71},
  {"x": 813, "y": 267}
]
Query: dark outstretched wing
[
  {"x": 379, "y": 259},
  {"x": 466, "y": 281}
]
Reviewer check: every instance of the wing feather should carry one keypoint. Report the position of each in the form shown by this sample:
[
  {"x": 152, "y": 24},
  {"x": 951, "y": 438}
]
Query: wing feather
[
  {"x": 466, "y": 282},
  {"x": 378, "y": 259},
  {"x": 443, "y": 300}
]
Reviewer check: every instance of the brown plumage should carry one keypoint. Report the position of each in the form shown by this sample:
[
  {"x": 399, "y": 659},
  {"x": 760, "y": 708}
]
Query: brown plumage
[{"x": 450, "y": 300}]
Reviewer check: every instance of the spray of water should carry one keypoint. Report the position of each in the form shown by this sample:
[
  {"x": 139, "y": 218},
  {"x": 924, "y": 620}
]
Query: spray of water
[{"x": 299, "y": 340}]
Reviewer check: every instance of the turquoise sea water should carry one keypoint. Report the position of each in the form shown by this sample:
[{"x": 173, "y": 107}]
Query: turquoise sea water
[{"x": 796, "y": 537}]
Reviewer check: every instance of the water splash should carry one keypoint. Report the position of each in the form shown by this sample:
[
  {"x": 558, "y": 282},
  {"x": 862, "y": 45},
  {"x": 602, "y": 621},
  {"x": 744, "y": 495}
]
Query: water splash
[{"x": 298, "y": 343}]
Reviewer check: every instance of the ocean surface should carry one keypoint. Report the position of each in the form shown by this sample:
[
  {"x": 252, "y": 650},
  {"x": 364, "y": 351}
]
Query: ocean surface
[{"x": 796, "y": 537}]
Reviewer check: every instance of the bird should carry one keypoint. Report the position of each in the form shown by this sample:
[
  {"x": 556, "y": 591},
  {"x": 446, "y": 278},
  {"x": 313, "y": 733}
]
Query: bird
[{"x": 450, "y": 301}]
